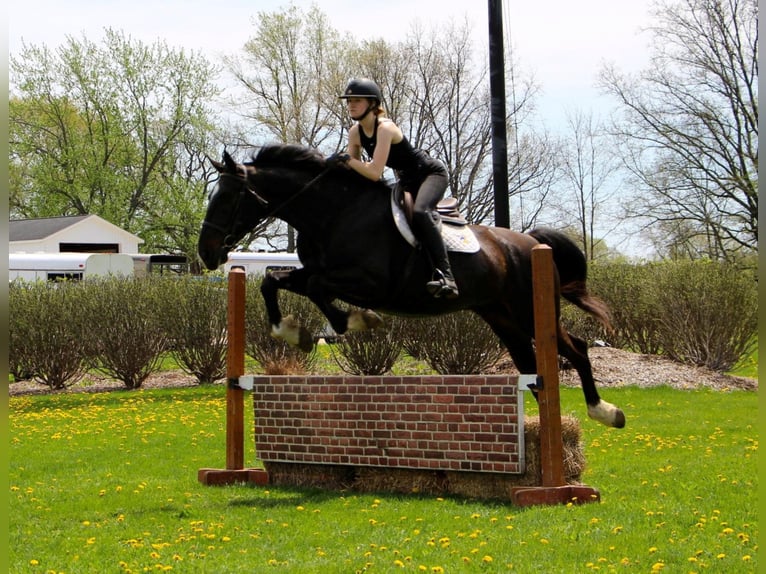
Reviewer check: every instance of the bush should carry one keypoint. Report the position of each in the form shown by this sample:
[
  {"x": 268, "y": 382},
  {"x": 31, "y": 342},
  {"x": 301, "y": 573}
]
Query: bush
[
  {"x": 459, "y": 343},
  {"x": 629, "y": 292},
  {"x": 708, "y": 313},
  {"x": 47, "y": 333},
  {"x": 275, "y": 356},
  {"x": 194, "y": 316},
  {"x": 370, "y": 352},
  {"x": 127, "y": 335}
]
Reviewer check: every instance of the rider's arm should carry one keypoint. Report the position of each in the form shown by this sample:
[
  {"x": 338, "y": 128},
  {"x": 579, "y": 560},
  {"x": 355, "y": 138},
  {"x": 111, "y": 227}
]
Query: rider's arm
[
  {"x": 354, "y": 147},
  {"x": 373, "y": 169}
]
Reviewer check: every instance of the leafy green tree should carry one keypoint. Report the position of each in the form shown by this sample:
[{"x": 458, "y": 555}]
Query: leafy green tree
[{"x": 117, "y": 129}]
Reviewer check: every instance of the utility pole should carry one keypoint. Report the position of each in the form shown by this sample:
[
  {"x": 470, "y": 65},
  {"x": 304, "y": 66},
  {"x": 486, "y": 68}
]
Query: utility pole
[{"x": 497, "y": 110}]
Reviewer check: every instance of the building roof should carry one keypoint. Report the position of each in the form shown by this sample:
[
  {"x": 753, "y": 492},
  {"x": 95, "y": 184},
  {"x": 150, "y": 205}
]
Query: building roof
[{"x": 35, "y": 229}]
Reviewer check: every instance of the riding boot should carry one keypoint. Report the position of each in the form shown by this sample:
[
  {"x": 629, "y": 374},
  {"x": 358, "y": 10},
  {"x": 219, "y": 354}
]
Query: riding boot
[{"x": 443, "y": 283}]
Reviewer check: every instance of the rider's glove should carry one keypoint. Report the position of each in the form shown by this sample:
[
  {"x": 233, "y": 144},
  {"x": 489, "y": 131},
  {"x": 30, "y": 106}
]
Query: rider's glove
[{"x": 338, "y": 158}]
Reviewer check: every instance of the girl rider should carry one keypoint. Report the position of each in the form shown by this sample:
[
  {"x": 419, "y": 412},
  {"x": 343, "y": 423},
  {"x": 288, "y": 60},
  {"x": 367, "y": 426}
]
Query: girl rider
[{"x": 421, "y": 175}]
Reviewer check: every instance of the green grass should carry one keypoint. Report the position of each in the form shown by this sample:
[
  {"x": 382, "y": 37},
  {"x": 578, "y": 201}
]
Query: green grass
[{"x": 107, "y": 483}]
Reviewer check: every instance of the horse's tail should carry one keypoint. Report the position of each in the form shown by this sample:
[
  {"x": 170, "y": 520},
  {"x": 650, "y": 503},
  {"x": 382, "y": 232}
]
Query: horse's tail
[{"x": 572, "y": 268}]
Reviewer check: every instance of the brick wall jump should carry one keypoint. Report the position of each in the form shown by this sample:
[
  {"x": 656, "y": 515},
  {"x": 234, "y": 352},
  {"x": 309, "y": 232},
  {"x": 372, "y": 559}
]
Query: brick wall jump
[{"x": 456, "y": 423}]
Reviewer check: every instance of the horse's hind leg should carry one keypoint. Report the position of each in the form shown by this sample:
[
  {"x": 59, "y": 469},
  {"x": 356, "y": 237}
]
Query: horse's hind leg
[
  {"x": 518, "y": 344},
  {"x": 576, "y": 351}
]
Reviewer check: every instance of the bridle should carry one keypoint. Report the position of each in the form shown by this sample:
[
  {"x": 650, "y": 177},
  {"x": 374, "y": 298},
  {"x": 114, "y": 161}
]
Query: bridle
[
  {"x": 228, "y": 238},
  {"x": 229, "y": 241}
]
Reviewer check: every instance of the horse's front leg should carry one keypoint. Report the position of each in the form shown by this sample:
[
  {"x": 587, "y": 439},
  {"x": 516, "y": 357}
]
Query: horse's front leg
[
  {"x": 302, "y": 282},
  {"x": 321, "y": 290},
  {"x": 287, "y": 328}
]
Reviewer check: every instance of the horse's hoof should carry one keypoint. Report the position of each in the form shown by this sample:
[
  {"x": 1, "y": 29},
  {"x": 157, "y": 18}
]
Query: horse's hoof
[
  {"x": 288, "y": 330},
  {"x": 608, "y": 414},
  {"x": 305, "y": 340},
  {"x": 363, "y": 320}
]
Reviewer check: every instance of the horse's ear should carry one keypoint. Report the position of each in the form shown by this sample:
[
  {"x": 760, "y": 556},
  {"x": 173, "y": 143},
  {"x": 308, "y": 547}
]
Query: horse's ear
[
  {"x": 219, "y": 167},
  {"x": 229, "y": 161}
]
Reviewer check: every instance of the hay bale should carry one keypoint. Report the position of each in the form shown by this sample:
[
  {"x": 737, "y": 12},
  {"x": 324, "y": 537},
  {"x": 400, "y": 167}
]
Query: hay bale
[
  {"x": 574, "y": 458},
  {"x": 482, "y": 485},
  {"x": 327, "y": 476}
]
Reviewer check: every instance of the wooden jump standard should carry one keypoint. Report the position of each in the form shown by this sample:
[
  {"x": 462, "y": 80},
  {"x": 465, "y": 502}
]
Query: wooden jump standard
[{"x": 553, "y": 489}]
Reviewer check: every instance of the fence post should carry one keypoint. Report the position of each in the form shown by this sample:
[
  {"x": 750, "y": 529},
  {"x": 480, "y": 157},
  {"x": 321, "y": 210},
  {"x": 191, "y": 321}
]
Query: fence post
[
  {"x": 554, "y": 489},
  {"x": 235, "y": 470}
]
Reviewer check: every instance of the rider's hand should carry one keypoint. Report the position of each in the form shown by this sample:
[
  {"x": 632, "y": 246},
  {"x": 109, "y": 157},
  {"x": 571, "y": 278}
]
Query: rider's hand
[{"x": 338, "y": 158}]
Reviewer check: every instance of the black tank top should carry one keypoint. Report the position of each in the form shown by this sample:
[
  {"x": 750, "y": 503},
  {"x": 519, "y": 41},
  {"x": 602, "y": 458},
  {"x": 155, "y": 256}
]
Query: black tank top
[{"x": 411, "y": 165}]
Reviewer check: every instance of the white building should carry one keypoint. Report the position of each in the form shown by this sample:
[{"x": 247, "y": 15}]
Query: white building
[{"x": 80, "y": 233}]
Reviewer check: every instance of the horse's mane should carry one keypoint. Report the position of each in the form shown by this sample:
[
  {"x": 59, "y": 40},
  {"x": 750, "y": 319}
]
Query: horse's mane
[
  {"x": 289, "y": 155},
  {"x": 298, "y": 157}
]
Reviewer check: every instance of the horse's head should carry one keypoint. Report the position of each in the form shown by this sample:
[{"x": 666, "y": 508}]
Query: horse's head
[{"x": 233, "y": 210}]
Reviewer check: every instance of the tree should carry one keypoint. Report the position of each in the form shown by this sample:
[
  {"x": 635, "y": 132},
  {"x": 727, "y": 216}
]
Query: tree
[
  {"x": 116, "y": 129},
  {"x": 587, "y": 170},
  {"x": 689, "y": 131},
  {"x": 289, "y": 73}
]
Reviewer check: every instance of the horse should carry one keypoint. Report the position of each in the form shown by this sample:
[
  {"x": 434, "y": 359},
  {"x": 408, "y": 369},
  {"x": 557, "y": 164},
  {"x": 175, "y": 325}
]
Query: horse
[{"x": 352, "y": 251}]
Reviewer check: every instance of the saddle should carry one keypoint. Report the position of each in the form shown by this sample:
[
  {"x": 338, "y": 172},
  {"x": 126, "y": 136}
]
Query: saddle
[
  {"x": 447, "y": 207},
  {"x": 457, "y": 234}
]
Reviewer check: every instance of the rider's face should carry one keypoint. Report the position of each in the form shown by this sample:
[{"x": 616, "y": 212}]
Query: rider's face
[{"x": 357, "y": 106}]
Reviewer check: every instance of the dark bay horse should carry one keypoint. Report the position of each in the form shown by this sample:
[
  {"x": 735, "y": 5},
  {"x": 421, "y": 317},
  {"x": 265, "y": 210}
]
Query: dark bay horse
[{"x": 352, "y": 251}]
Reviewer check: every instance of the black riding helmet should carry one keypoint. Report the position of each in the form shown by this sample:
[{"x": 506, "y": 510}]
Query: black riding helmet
[{"x": 362, "y": 88}]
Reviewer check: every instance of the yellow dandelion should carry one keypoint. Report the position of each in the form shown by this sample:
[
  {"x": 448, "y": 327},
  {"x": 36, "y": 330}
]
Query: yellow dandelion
[
  {"x": 652, "y": 550},
  {"x": 299, "y": 508},
  {"x": 657, "y": 566},
  {"x": 721, "y": 556},
  {"x": 33, "y": 562},
  {"x": 398, "y": 563},
  {"x": 437, "y": 569},
  {"x": 487, "y": 559}
]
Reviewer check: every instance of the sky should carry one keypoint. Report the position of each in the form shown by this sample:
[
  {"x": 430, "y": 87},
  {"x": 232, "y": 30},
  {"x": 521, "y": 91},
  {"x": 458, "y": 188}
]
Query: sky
[{"x": 560, "y": 43}]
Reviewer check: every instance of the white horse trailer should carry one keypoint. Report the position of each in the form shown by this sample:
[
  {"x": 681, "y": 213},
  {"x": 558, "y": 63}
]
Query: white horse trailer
[
  {"x": 159, "y": 264},
  {"x": 73, "y": 266},
  {"x": 258, "y": 263}
]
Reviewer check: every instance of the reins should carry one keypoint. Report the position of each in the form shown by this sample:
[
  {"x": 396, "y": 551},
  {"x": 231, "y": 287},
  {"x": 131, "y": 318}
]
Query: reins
[
  {"x": 272, "y": 212},
  {"x": 269, "y": 212}
]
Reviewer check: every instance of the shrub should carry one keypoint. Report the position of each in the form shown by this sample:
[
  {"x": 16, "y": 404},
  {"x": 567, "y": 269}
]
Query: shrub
[
  {"x": 193, "y": 313},
  {"x": 628, "y": 290},
  {"x": 370, "y": 352},
  {"x": 708, "y": 313},
  {"x": 459, "y": 343},
  {"x": 128, "y": 335},
  {"x": 275, "y": 356},
  {"x": 47, "y": 330}
]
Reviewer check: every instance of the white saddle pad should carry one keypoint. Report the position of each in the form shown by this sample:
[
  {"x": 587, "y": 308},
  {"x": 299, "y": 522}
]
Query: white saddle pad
[{"x": 457, "y": 238}]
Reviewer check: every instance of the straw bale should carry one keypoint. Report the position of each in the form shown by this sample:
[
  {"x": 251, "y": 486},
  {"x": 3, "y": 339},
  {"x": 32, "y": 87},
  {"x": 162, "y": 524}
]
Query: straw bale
[{"x": 481, "y": 485}]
